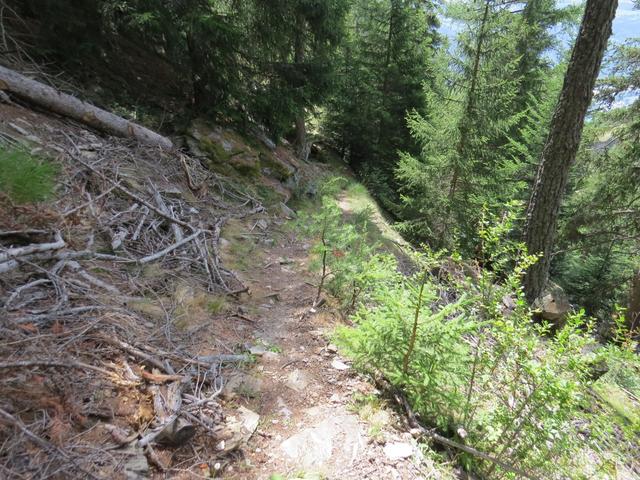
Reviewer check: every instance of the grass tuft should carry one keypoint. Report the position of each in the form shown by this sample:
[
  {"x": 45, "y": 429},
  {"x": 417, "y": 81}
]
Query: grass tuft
[{"x": 25, "y": 178}]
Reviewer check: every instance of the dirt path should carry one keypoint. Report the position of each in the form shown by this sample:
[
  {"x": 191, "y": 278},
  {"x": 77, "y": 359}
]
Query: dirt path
[{"x": 304, "y": 391}]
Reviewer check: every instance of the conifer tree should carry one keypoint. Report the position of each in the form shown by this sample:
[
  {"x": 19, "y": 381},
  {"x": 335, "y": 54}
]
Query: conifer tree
[
  {"x": 383, "y": 63},
  {"x": 472, "y": 155},
  {"x": 562, "y": 143}
]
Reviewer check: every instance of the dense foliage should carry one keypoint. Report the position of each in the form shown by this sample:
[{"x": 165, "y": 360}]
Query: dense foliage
[
  {"x": 25, "y": 178},
  {"x": 245, "y": 61},
  {"x": 458, "y": 341}
]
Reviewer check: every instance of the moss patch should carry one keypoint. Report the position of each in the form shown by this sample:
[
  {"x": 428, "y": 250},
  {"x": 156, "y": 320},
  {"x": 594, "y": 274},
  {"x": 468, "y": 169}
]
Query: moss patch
[{"x": 623, "y": 406}]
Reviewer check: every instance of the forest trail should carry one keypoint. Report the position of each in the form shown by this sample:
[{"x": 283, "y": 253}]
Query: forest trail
[
  {"x": 305, "y": 413},
  {"x": 311, "y": 422}
]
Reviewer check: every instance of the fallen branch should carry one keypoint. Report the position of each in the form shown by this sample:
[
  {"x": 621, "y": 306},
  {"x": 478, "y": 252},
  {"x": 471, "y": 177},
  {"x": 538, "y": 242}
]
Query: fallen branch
[
  {"x": 177, "y": 231},
  {"x": 56, "y": 364},
  {"x": 170, "y": 248},
  {"x": 69, "y": 311},
  {"x": 173, "y": 430},
  {"x": 41, "y": 442},
  {"x": 116, "y": 342},
  {"x": 208, "y": 359},
  {"x": 75, "y": 266},
  {"x": 161, "y": 378},
  {"x": 414, "y": 423},
  {"x": 12, "y": 253},
  {"x": 72, "y": 107},
  {"x": 127, "y": 192},
  {"x": 16, "y": 293}
]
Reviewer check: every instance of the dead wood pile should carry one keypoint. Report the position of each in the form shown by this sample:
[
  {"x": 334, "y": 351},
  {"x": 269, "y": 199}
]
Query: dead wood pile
[{"x": 89, "y": 387}]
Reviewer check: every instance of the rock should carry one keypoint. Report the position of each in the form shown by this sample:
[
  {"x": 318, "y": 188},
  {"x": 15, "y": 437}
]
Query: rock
[
  {"x": 283, "y": 409},
  {"x": 241, "y": 428},
  {"x": 338, "y": 365},
  {"x": 262, "y": 224},
  {"x": 270, "y": 357},
  {"x": 176, "y": 433},
  {"x": 137, "y": 465},
  {"x": 243, "y": 385},
  {"x": 553, "y": 304},
  {"x": 258, "y": 350},
  {"x": 249, "y": 419},
  {"x": 287, "y": 212},
  {"x": 270, "y": 144},
  {"x": 298, "y": 380},
  {"x": 398, "y": 451},
  {"x": 508, "y": 305},
  {"x": 313, "y": 447},
  {"x": 331, "y": 348}
]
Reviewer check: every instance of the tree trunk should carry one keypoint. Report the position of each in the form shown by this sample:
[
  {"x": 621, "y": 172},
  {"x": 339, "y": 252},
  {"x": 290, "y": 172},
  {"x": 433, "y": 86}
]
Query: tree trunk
[
  {"x": 302, "y": 147},
  {"x": 393, "y": 14},
  {"x": 564, "y": 139},
  {"x": 69, "y": 106},
  {"x": 633, "y": 311},
  {"x": 198, "y": 81}
]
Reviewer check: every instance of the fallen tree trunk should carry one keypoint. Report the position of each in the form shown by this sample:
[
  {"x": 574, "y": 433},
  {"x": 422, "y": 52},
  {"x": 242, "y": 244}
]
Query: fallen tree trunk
[{"x": 72, "y": 107}]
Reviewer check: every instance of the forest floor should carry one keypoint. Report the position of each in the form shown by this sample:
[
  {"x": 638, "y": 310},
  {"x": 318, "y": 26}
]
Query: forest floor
[{"x": 92, "y": 343}]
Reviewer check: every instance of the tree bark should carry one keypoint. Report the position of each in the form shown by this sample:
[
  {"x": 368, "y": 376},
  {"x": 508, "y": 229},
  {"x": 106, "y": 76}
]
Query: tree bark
[
  {"x": 302, "y": 147},
  {"x": 72, "y": 107},
  {"x": 563, "y": 140},
  {"x": 633, "y": 311},
  {"x": 393, "y": 15}
]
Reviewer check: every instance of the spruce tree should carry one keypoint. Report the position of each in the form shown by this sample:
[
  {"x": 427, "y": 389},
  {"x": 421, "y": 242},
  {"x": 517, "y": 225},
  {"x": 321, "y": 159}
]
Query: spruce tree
[{"x": 383, "y": 64}]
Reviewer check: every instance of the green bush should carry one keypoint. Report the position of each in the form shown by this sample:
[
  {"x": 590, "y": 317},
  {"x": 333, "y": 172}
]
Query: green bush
[
  {"x": 347, "y": 262},
  {"x": 25, "y": 178},
  {"x": 459, "y": 341},
  {"x": 471, "y": 362}
]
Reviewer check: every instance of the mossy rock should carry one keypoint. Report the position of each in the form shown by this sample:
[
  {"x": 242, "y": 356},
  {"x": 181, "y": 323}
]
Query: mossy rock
[
  {"x": 277, "y": 168},
  {"x": 225, "y": 150}
]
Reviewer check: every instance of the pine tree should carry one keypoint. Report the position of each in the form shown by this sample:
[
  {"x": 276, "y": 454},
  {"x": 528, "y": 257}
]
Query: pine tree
[
  {"x": 296, "y": 62},
  {"x": 382, "y": 66},
  {"x": 472, "y": 154},
  {"x": 564, "y": 137}
]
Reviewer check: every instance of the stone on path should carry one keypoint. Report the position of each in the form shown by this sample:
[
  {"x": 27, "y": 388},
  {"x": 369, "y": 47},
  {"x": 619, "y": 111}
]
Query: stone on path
[
  {"x": 398, "y": 451},
  {"x": 298, "y": 380},
  {"x": 338, "y": 365},
  {"x": 314, "y": 446}
]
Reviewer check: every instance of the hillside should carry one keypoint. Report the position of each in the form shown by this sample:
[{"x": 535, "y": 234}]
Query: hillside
[
  {"x": 114, "y": 325},
  {"x": 309, "y": 239}
]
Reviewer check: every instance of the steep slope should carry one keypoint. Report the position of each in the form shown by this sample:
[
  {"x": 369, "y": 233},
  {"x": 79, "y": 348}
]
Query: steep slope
[{"x": 158, "y": 322}]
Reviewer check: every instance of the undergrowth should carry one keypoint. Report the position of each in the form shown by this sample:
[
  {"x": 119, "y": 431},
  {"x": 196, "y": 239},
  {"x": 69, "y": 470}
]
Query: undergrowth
[
  {"x": 459, "y": 341},
  {"x": 25, "y": 178}
]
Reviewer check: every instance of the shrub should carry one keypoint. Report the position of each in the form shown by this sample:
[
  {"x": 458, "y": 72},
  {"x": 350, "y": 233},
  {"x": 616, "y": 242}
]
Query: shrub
[
  {"x": 459, "y": 341},
  {"x": 25, "y": 178},
  {"x": 471, "y": 362},
  {"x": 347, "y": 262}
]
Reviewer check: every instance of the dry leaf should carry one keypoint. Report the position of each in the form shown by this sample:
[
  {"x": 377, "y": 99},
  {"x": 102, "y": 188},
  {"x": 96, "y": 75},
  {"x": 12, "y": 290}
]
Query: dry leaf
[{"x": 28, "y": 327}]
